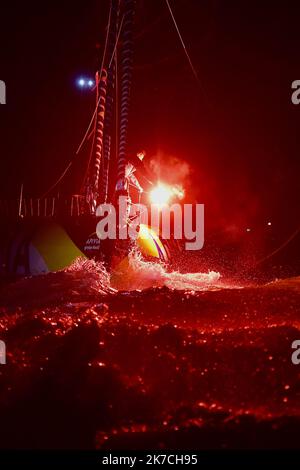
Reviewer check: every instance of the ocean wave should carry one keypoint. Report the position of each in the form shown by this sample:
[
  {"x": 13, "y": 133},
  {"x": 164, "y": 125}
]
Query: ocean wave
[{"x": 139, "y": 274}]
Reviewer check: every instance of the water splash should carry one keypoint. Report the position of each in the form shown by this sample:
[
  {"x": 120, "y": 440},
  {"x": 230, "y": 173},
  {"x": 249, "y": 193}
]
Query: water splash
[{"x": 140, "y": 274}]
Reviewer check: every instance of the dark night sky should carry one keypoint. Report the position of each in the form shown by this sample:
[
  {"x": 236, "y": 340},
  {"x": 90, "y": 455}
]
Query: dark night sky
[{"x": 238, "y": 132}]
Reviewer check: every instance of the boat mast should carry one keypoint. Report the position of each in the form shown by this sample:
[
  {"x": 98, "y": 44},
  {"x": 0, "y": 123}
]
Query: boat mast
[
  {"x": 126, "y": 78},
  {"x": 99, "y": 171},
  {"x": 111, "y": 89},
  {"x": 101, "y": 83}
]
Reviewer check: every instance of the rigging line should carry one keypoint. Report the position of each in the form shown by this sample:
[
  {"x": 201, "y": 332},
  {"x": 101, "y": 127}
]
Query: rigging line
[
  {"x": 100, "y": 75},
  {"x": 93, "y": 142},
  {"x": 117, "y": 40},
  {"x": 87, "y": 131},
  {"x": 182, "y": 42},
  {"x": 59, "y": 180},
  {"x": 91, "y": 122},
  {"x": 116, "y": 108},
  {"x": 102, "y": 65},
  {"x": 283, "y": 245},
  {"x": 95, "y": 111}
]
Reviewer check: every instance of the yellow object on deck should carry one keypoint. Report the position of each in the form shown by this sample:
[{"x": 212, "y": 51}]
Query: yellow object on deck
[
  {"x": 55, "y": 246},
  {"x": 150, "y": 244}
]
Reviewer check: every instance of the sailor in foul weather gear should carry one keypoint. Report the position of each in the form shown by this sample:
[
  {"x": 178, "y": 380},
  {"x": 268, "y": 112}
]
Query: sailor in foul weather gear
[
  {"x": 130, "y": 179},
  {"x": 135, "y": 166}
]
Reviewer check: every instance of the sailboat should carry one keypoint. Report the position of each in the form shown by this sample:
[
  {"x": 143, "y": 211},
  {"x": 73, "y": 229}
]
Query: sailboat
[{"x": 40, "y": 235}]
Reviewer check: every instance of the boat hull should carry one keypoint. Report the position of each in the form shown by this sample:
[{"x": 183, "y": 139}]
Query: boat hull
[{"x": 34, "y": 247}]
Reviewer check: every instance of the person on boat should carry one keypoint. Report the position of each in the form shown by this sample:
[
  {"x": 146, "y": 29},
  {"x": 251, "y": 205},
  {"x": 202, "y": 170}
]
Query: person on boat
[
  {"x": 134, "y": 166},
  {"x": 142, "y": 172}
]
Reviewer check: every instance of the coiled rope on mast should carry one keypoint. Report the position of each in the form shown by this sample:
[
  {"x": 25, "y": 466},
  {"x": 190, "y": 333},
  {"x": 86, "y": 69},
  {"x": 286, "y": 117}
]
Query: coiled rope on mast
[
  {"x": 126, "y": 78},
  {"x": 102, "y": 84},
  {"x": 109, "y": 112}
]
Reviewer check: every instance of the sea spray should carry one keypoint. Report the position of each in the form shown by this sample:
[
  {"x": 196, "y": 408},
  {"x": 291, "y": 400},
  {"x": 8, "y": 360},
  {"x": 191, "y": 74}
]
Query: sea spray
[{"x": 141, "y": 274}]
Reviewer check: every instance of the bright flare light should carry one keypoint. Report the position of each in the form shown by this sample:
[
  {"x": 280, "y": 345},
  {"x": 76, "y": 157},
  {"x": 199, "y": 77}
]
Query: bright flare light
[{"x": 161, "y": 195}]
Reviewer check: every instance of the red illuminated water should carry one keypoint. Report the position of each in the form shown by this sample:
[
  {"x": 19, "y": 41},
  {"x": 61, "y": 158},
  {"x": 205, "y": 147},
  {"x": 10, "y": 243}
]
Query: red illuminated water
[{"x": 192, "y": 361}]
